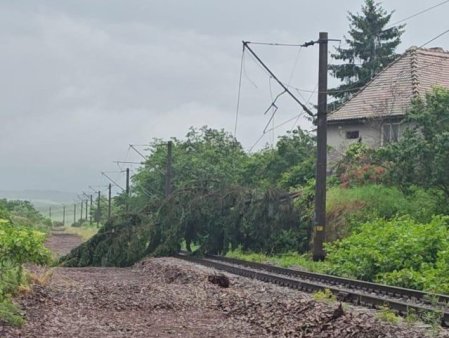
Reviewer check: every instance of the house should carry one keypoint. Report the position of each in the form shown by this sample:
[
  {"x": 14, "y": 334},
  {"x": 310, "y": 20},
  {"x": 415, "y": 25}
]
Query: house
[{"x": 374, "y": 116}]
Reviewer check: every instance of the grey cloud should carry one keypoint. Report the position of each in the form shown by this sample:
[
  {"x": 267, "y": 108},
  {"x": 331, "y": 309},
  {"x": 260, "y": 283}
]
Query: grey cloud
[{"x": 83, "y": 79}]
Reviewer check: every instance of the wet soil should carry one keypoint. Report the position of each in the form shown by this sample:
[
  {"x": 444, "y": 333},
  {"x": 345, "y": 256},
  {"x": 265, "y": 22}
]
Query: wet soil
[{"x": 166, "y": 297}]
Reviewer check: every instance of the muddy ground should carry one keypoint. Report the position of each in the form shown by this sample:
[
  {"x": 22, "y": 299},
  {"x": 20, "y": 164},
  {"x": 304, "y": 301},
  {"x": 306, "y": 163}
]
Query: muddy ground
[{"x": 165, "y": 297}]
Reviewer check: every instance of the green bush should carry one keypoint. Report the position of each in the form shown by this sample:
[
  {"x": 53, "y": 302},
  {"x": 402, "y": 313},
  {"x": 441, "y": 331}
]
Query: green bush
[
  {"x": 349, "y": 207},
  {"x": 400, "y": 252},
  {"x": 18, "y": 245},
  {"x": 286, "y": 260}
]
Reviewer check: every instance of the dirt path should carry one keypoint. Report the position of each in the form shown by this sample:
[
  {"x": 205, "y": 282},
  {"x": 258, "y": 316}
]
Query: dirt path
[
  {"x": 62, "y": 243},
  {"x": 165, "y": 297}
]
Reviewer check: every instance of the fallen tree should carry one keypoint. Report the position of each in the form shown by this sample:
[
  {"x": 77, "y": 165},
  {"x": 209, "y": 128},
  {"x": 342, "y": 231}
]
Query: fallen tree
[
  {"x": 214, "y": 220},
  {"x": 121, "y": 242}
]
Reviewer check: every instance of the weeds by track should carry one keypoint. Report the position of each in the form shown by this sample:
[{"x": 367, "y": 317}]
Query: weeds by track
[{"x": 401, "y": 300}]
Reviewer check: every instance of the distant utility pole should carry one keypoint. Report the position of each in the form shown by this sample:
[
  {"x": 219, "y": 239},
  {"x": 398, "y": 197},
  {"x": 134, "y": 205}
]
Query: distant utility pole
[
  {"x": 98, "y": 209},
  {"x": 81, "y": 213},
  {"x": 86, "y": 209},
  {"x": 90, "y": 215},
  {"x": 127, "y": 189},
  {"x": 127, "y": 182},
  {"x": 63, "y": 215},
  {"x": 168, "y": 169},
  {"x": 321, "y": 163},
  {"x": 109, "y": 200},
  {"x": 74, "y": 213},
  {"x": 49, "y": 213}
]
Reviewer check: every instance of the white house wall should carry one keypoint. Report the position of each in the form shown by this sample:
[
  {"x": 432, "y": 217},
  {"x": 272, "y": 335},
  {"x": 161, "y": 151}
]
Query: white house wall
[{"x": 369, "y": 134}]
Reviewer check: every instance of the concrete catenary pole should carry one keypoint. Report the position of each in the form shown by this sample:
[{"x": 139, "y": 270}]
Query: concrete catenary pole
[
  {"x": 98, "y": 209},
  {"x": 90, "y": 214},
  {"x": 109, "y": 200},
  {"x": 321, "y": 163}
]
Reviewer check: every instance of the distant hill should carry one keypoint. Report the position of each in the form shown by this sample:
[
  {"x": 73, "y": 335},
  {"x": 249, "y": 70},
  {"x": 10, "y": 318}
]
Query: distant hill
[
  {"x": 42, "y": 199},
  {"x": 48, "y": 196}
]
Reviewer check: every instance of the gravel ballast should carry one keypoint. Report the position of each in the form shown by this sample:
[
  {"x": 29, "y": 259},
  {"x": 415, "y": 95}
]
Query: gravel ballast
[{"x": 167, "y": 297}]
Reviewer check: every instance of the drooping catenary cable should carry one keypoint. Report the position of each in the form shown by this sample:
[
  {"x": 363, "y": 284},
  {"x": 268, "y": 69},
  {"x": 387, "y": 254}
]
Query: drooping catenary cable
[
  {"x": 239, "y": 93},
  {"x": 433, "y": 39},
  {"x": 417, "y": 14}
]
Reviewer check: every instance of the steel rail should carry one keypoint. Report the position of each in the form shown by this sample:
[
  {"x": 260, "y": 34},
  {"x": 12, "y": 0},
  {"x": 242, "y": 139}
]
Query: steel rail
[
  {"x": 361, "y": 297},
  {"x": 383, "y": 289}
]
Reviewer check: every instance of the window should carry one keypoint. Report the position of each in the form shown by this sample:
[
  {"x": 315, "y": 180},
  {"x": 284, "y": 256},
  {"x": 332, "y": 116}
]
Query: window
[
  {"x": 353, "y": 134},
  {"x": 390, "y": 133}
]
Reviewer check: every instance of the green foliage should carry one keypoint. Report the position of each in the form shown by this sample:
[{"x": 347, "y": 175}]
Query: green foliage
[
  {"x": 385, "y": 202},
  {"x": 291, "y": 163},
  {"x": 360, "y": 166},
  {"x": 18, "y": 245},
  {"x": 400, "y": 252},
  {"x": 421, "y": 157},
  {"x": 99, "y": 213},
  {"x": 23, "y": 213},
  {"x": 120, "y": 242},
  {"x": 286, "y": 260},
  {"x": 387, "y": 315},
  {"x": 325, "y": 296},
  {"x": 371, "y": 47},
  {"x": 348, "y": 208},
  {"x": 216, "y": 203},
  {"x": 10, "y": 313}
]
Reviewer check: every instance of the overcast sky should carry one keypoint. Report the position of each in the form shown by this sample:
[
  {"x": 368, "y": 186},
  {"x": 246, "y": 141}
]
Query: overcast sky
[{"x": 80, "y": 80}]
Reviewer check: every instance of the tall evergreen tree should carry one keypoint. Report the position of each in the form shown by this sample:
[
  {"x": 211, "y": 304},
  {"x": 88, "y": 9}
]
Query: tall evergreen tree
[{"x": 371, "y": 46}]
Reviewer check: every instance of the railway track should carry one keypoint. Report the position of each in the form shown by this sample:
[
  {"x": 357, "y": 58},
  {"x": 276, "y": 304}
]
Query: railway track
[{"x": 401, "y": 300}]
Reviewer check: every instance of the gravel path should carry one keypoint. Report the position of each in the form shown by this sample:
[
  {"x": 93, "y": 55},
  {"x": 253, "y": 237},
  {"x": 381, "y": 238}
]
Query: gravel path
[{"x": 165, "y": 297}]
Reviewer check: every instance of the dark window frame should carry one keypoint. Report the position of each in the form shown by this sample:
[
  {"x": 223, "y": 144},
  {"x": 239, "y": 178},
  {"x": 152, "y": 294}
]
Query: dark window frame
[{"x": 352, "y": 134}]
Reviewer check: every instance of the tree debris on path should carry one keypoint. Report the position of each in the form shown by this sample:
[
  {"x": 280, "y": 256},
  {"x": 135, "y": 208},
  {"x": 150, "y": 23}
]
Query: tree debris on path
[{"x": 166, "y": 297}]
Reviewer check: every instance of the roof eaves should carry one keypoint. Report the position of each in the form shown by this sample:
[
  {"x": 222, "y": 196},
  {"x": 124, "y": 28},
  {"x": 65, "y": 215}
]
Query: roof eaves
[{"x": 400, "y": 57}]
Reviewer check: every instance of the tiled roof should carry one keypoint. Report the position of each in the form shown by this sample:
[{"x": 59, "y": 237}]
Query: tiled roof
[{"x": 389, "y": 93}]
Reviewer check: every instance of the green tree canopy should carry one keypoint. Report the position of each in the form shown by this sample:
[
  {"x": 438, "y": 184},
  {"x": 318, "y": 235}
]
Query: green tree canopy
[
  {"x": 421, "y": 157},
  {"x": 290, "y": 164},
  {"x": 371, "y": 47}
]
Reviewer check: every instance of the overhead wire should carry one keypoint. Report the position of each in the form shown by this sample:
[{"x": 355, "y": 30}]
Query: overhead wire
[
  {"x": 262, "y": 64},
  {"x": 295, "y": 64},
  {"x": 245, "y": 74},
  {"x": 417, "y": 14},
  {"x": 302, "y": 113},
  {"x": 256, "y": 143},
  {"x": 285, "y": 122},
  {"x": 395, "y": 24},
  {"x": 239, "y": 93},
  {"x": 399, "y": 76},
  {"x": 273, "y": 103},
  {"x": 433, "y": 39},
  {"x": 276, "y": 44},
  {"x": 274, "y": 107}
]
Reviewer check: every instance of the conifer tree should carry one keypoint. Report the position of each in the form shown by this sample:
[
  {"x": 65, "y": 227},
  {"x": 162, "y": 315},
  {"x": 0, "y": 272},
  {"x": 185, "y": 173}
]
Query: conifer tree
[{"x": 371, "y": 46}]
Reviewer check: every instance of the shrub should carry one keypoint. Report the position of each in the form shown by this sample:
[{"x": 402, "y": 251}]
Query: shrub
[
  {"x": 360, "y": 166},
  {"x": 347, "y": 208},
  {"x": 400, "y": 251},
  {"x": 18, "y": 245}
]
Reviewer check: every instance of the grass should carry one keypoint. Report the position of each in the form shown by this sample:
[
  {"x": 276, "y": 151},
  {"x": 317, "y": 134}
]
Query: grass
[
  {"x": 10, "y": 313},
  {"x": 285, "y": 260},
  {"x": 84, "y": 232},
  {"x": 387, "y": 315},
  {"x": 325, "y": 296}
]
